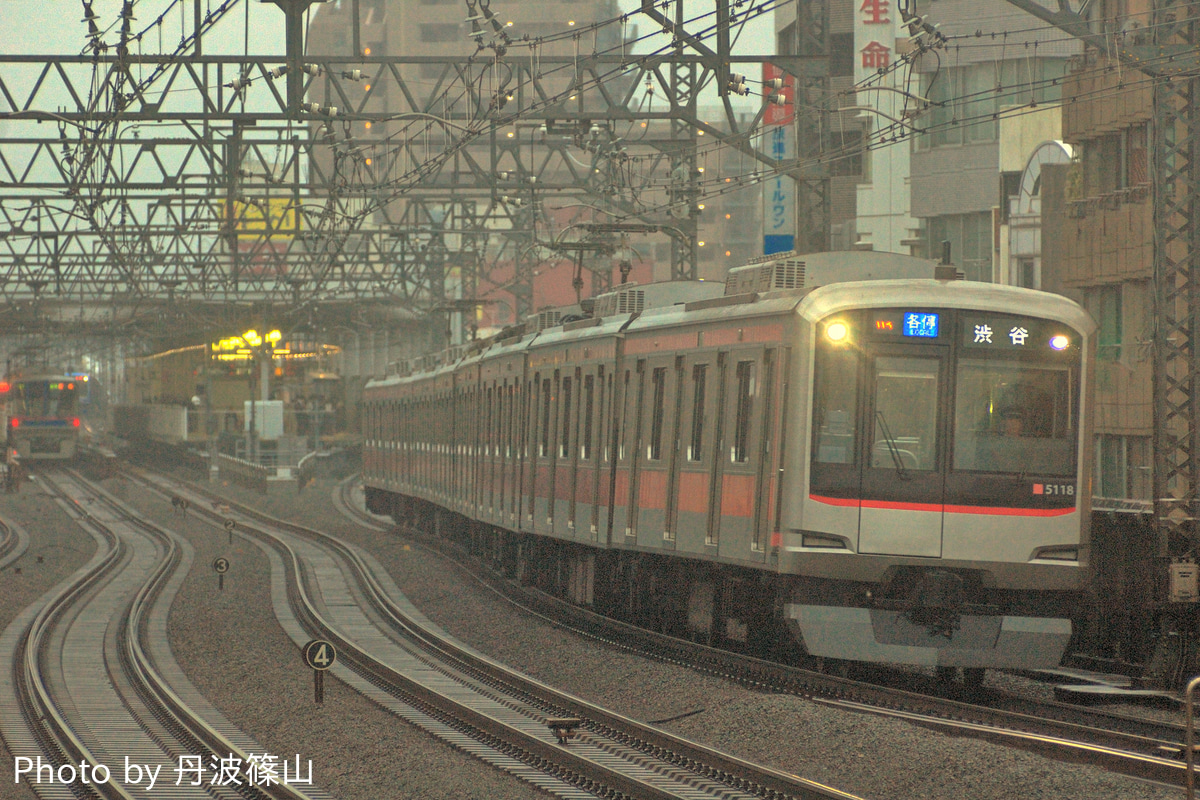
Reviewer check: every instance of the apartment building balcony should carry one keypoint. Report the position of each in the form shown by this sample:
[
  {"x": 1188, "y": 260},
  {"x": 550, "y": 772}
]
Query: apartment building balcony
[
  {"x": 1105, "y": 238},
  {"x": 1101, "y": 97}
]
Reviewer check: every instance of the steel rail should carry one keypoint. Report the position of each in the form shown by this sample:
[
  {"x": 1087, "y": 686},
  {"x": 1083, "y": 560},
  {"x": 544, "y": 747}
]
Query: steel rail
[
  {"x": 45, "y": 717},
  {"x": 1042, "y": 725},
  {"x": 46, "y": 721},
  {"x": 13, "y": 543},
  {"x": 736, "y": 775},
  {"x": 164, "y": 701}
]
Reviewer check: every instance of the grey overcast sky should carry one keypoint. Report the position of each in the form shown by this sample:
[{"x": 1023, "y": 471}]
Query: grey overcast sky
[{"x": 55, "y": 26}]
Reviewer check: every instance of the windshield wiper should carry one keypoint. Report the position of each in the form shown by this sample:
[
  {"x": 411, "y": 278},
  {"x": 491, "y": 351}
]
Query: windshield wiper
[{"x": 901, "y": 470}]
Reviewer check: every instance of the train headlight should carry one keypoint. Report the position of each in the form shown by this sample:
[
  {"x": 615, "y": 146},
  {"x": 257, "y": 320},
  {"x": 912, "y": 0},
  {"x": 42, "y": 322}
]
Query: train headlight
[
  {"x": 1059, "y": 342},
  {"x": 837, "y": 331}
]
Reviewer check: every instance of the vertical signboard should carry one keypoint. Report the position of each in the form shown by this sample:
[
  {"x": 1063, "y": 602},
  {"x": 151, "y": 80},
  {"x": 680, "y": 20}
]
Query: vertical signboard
[
  {"x": 264, "y": 229},
  {"x": 779, "y": 191}
]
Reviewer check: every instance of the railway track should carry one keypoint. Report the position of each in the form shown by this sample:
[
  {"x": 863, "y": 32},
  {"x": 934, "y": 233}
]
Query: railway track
[
  {"x": 13, "y": 543},
  {"x": 1129, "y": 745},
  {"x": 93, "y": 682},
  {"x": 391, "y": 653}
]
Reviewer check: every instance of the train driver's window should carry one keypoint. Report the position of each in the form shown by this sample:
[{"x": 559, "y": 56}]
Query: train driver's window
[
  {"x": 835, "y": 406},
  {"x": 1013, "y": 417}
]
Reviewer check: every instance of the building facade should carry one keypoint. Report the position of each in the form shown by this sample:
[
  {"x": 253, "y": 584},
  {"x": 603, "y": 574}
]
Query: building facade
[{"x": 1098, "y": 245}]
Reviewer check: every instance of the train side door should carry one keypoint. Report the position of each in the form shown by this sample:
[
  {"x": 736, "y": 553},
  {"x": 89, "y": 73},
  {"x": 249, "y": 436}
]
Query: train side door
[
  {"x": 903, "y": 473},
  {"x": 675, "y": 403}
]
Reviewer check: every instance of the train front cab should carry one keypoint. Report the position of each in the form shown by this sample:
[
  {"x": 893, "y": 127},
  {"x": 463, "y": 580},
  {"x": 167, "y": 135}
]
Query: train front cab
[
  {"x": 945, "y": 507},
  {"x": 42, "y": 421}
]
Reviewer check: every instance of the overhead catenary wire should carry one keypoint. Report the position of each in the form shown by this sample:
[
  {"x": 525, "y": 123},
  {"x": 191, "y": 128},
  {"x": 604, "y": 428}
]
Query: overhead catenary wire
[
  {"x": 411, "y": 178},
  {"x": 919, "y": 124}
]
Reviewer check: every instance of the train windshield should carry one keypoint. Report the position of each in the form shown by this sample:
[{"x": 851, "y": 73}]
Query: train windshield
[
  {"x": 925, "y": 408},
  {"x": 41, "y": 398},
  {"x": 1011, "y": 416}
]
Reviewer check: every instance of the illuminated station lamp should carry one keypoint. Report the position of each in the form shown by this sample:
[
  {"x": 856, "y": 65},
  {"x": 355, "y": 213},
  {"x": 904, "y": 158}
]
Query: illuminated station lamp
[
  {"x": 251, "y": 343},
  {"x": 241, "y": 348}
]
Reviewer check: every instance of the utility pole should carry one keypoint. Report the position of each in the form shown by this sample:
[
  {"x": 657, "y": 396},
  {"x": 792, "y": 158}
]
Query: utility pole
[
  {"x": 294, "y": 10},
  {"x": 812, "y": 87}
]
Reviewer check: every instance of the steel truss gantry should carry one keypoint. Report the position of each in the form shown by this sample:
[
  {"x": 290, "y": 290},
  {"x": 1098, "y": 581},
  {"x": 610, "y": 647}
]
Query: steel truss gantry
[{"x": 129, "y": 180}]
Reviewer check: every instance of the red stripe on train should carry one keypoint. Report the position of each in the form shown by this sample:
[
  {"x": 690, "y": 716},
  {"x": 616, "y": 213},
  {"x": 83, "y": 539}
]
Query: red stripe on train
[{"x": 999, "y": 511}]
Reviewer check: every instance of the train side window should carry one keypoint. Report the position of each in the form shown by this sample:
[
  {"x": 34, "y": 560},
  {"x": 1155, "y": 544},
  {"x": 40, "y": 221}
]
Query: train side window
[
  {"x": 527, "y": 398},
  {"x": 502, "y": 393},
  {"x": 589, "y": 408},
  {"x": 487, "y": 429},
  {"x": 658, "y": 380},
  {"x": 564, "y": 441},
  {"x": 498, "y": 421},
  {"x": 529, "y": 416},
  {"x": 624, "y": 421},
  {"x": 544, "y": 445},
  {"x": 532, "y": 407},
  {"x": 514, "y": 417},
  {"x": 835, "y": 406},
  {"x": 640, "y": 411},
  {"x": 606, "y": 396},
  {"x": 699, "y": 387},
  {"x": 744, "y": 374}
]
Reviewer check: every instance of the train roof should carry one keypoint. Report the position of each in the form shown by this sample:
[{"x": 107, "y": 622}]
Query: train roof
[
  {"x": 39, "y": 376},
  {"x": 811, "y": 303},
  {"x": 959, "y": 294}
]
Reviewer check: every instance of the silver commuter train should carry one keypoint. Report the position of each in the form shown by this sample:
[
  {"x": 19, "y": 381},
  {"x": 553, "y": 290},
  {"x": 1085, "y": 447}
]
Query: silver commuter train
[
  {"x": 895, "y": 470},
  {"x": 42, "y": 416}
]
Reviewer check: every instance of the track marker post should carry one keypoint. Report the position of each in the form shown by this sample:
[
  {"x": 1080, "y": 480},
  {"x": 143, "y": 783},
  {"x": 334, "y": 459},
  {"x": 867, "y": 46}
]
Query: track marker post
[
  {"x": 220, "y": 566},
  {"x": 319, "y": 655}
]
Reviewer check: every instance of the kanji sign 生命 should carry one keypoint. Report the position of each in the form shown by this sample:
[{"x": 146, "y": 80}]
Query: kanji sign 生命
[
  {"x": 876, "y": 56},
  {"x": 875, "y": 11}
]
